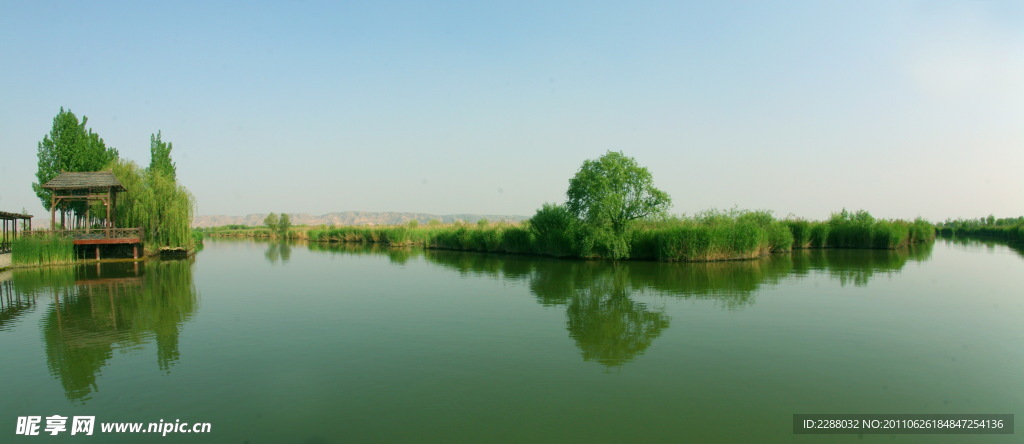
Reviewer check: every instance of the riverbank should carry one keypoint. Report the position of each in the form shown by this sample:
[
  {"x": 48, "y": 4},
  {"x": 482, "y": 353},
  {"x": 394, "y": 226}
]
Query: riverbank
[
  {"x": 708, "y": 236},
  {"x": 1010, "y": 233},
  {"x": 40, "y": 251}
]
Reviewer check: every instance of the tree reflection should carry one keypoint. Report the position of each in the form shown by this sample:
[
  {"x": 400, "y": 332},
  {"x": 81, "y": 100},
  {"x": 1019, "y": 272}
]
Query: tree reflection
[
  {"x": 278, "y": 252},
  {"x": 858, "y": 267},
  {"x": 397, "y": 255},
  {"x": 607, "y": 325},
  {"x": 97, "y": 309},
  {"x": 603, "y": 315}
]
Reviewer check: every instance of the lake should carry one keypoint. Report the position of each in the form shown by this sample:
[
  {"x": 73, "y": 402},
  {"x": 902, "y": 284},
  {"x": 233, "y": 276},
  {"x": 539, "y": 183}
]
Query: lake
[{"x": 328, "y": 343}]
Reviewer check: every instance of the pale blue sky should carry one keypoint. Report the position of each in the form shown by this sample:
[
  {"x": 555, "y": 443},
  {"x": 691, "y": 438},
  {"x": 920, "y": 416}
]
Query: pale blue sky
[{"x": 898, "y": 107}]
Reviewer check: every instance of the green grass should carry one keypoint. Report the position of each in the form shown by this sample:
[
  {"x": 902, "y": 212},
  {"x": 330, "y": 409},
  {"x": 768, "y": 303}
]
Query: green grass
[
  {"x": 495, "y": 238},
  {"x": 42, "y": 250}
]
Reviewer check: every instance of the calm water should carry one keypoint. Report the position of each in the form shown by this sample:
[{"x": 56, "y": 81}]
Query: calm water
[{"x": 276, "y": 343}]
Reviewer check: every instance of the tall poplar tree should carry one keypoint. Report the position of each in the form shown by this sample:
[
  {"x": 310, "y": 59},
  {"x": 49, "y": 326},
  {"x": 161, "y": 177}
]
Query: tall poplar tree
[
  {"x": 160, "y": 157},
  {"x": 70, "y": 146}
]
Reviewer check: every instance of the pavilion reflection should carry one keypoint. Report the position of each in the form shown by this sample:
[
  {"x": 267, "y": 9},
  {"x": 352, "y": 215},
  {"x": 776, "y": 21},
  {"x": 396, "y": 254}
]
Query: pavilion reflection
[{"x": 98, "y": 309}]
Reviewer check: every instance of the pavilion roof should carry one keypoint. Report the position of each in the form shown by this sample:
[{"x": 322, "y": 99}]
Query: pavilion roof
[
  {"x": 13, "y": 216},
  {"x": 84, "y": 180}
]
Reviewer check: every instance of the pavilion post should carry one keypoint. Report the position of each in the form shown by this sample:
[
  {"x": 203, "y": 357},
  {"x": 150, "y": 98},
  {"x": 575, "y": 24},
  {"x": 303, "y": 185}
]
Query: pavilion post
[
  {"x": 109, "y": 203},
  {"x": 113, "y": 208}
]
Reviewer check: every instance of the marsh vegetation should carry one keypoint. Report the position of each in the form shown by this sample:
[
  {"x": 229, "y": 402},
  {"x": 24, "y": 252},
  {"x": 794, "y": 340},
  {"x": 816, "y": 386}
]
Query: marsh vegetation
[{"x": 613, "y": 211}]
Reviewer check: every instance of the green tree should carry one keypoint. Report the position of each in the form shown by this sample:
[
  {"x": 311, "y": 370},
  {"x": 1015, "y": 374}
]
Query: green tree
[
  {"x": 605, "y": 195},
  {"x": 553, "y": 227},
  {"x": 155, "y": 202},
  {"x": 271, "y": 221},
  {"x": 69, "y": 147},
  {"x": 160, "y": 156},
  {"x": 283, "y": 224}
]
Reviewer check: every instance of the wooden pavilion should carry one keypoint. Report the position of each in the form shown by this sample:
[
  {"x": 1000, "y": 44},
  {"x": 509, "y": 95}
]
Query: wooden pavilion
[
  {"x": 90, "y": 187},
  {"x": 10, "y": 228},
  {"x": 98, "y": 186}
]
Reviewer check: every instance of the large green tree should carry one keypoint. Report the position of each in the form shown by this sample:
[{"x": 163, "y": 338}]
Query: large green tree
[
  {"x": 605, "y": 195},
  {"x": 70, "y": 146}
]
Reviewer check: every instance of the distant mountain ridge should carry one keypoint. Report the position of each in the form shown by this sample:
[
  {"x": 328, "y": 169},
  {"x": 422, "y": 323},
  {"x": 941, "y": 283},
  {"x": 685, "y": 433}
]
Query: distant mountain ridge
[{"x": 348, "y": 218}]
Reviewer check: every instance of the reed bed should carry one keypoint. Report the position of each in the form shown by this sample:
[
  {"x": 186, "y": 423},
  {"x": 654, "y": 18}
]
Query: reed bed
[
  {"x": 496, "y": 238},
  {"x": 859, "y": 230},
  {"x": 259, "y": 232},
  {"x": 42, "y": 250},
  {"x": 1011, "y": 229},
  {"x": 711, "y": 236}
]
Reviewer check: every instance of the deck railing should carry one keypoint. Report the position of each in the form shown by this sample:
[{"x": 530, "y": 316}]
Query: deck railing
[{"x": 90, "y": 233}]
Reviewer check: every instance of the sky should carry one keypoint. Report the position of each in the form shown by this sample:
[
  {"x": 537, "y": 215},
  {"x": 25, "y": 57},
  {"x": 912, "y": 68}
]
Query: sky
[{"x": 902, "y": 108}]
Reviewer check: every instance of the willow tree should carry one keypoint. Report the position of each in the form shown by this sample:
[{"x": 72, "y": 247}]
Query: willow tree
[
  {"x": 155, "y": 202},
  {"x": 605, "y": 195}
]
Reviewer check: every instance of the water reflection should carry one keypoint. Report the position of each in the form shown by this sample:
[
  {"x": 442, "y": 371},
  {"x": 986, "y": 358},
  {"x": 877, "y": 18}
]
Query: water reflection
[
  {"x": 603, "y": 316},
  {"x": 13, "y": 304},
  {"x": 279, "y": 251},
  {"x": 607, "y": 325},
  {"x": 98, "y": 309},
  {"x": 611, "y": 328},
  {"x": 857, "y": 267},
  {"x": 397, "y": 255},
  {"x": 989, "y": 243}
]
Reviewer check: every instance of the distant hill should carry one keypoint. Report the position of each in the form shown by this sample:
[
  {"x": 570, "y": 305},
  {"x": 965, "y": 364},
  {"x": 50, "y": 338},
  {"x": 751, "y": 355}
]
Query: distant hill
[{"x": 348, "y": 218}]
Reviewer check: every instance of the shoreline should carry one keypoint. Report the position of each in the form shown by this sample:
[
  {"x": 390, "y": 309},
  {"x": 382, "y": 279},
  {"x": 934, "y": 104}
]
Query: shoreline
[{"x": 381, "y": 241}]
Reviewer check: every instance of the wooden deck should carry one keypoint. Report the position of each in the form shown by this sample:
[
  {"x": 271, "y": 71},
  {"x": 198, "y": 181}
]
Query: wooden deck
[{"x": 98, "y": 237}]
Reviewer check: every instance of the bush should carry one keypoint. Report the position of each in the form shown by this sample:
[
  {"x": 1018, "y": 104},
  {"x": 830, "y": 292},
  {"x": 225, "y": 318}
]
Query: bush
[
  {"x": 800, "y": 230},
  {"x": 553, "y": 229}
]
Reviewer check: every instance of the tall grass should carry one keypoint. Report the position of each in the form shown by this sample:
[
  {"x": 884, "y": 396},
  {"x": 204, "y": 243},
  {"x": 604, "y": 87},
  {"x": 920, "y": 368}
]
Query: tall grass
[
  {"x": 711, "y": 236},
  {"x": 42, "y": 250},
  {"x": 859, "y": 230}
]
